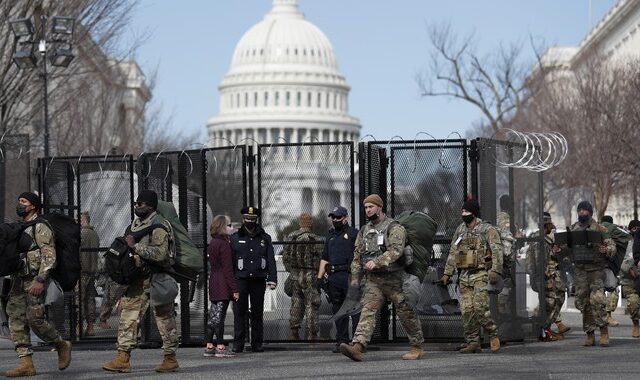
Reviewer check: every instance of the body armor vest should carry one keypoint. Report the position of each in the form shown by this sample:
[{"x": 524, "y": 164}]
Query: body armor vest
[
  {"x": 375, "y": 240},
  {"x": 473, "y": 252}
]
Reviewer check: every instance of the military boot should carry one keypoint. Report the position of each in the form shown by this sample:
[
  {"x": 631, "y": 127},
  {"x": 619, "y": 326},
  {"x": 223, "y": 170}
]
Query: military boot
[
  {"x": 119, "y": 364},
  {"x": 591, "y": 339},
  {"x": 295, "y": 335},
  {"x": 495, "y": 344},
  {"x": 472, "y": 348},
  {"x": 169, "y": 364},
  {"x": 353, "y": 351},
  {"x": 64, "y": 354},
  {"x": 25, "y": 368},
  {"x": 636, "y": 329},
  {"x": 414, "y": 353},
  {"x": 604, "y": 336},
  {"x": 562, "y": 328}
]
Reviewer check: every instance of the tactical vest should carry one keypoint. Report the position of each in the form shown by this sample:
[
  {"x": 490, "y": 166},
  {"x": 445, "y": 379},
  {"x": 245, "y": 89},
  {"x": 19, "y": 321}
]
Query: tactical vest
[
  {"x": 375, "y": 241},
  {"x": 473, "y": 251},
  {"x": 304, "y": 255},
  {"x": 587, "y": 256}
]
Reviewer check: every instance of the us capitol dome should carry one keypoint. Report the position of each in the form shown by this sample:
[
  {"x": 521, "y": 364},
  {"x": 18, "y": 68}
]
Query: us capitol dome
[{"x": 283, "y": 86}]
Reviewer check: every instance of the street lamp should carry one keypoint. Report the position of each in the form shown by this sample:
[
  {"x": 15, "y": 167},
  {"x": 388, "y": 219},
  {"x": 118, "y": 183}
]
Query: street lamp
[{"x": 60, "y": 41}]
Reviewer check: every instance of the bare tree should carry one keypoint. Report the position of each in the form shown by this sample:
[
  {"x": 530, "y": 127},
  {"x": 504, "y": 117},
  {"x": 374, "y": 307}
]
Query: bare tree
[{"x": 495, "y": 84}]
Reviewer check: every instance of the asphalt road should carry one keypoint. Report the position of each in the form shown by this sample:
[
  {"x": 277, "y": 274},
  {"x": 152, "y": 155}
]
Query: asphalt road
[{"x": 565, "y": 359}]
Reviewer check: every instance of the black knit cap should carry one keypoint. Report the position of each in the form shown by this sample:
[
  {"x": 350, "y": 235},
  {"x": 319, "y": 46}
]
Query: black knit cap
[
  {"x": 149, "y": 197},
  {"x": 634, "y": 223},
  {"x": 585, "y": 205},
  {"x": 33, "y": 198},
  {"x": 472, "y": 206}
]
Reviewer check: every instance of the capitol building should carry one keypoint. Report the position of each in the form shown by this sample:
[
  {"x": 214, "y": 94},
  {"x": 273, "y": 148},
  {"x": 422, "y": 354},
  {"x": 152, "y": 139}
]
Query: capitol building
[{"x": 283, "y": 86}]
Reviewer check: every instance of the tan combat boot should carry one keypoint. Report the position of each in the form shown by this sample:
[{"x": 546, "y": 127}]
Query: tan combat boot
[
  {"x": 353, "y": 351},
  {"x": 612, "y": 322},
  {"x": 472, "y": 348},
  {"x": 591, "y": 339},
  {"x": 119, "y": 364},
  {"x": 562, "y": 328},
  {"x": 604, "y": 336},
  {"x": 495, "y": 344},
  {"x": 169, "y": 364},
  {"x": 25, "y": 368},
  {"x": 636, "y": 329},
  {"x": 294, "y": 335},
  {"x": 414, "y": 353},
  {"x": 64, "y": 354}
]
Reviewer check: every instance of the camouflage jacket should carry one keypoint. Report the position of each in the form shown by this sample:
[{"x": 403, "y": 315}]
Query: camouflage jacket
[
  {"x": 302, "y": 256},
  {"x": 606, "y": 240},
  {"x": 625, "y": 277},
  {"x": 41, "y": 258},
  {"x": 491, "y": 255},
  {"x": 538, "y": 251},
  {"x": 394, "y": 247},
  {"x": 155, "y": 248},
  {"x": 89, "y": 239}
]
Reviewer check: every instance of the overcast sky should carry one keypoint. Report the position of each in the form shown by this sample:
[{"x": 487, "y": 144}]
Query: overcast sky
[{"x": 380, "y": 47}]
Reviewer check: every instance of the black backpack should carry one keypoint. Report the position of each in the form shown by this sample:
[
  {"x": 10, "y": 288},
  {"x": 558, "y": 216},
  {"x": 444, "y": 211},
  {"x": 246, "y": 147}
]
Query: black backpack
[
  {"x": 67, "y": 242},
  {"x": 118, "y": 260},
  {"x": 13, "y": 241}
]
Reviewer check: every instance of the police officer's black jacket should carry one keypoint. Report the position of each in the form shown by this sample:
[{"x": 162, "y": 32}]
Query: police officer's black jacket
[
  {"x": 338, "y": 250},
  {"x": 253, "y": 255}
]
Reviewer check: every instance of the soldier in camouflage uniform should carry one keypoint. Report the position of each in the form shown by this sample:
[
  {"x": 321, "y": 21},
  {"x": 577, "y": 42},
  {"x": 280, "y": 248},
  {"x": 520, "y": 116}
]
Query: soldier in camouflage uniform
[
  {"x": 302, "y": 262},
  {"x": 590, "y": 263},
  {"x": 503, "y": 224},
  {"x": 555, "y": 289},
  {"x": 89, "y": 264},
  {"x": 379, "y": 245},
  {"x": 629, "y": 273},
  {"x": 151, "y": 253},
  {"x": 25, "y": 307},
  {"x": 110, "y": 297},
  {"x": 476, "y": 251}
]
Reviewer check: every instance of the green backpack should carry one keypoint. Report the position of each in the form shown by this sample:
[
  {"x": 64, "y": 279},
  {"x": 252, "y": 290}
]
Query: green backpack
[
  {"x": 421, "y": 231},
  {"x": 189, "y": 258}
]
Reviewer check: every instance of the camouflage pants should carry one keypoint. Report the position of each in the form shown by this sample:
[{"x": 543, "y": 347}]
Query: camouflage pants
[
  {"x": 111, "y": 296},
  {"x": 305, "y": 302},
  {"x": 590, "y": 299},
  {"x": 554, "y": 297},
  {"x": 633, "y": 301},
  {"x": 474, "y": 305},
  {"x": 88, "y": 297},
  {"x": 26, "y": 312},
  {"x": 612, "y": 300},
  {"x": 134, "y": 304},
  {"x": 377, "y": 288}
]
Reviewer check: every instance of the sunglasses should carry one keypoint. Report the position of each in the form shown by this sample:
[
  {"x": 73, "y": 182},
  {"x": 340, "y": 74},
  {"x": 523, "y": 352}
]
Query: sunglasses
[
  {"x": 230, "y": 225},
  {"x": 337, "y": 218},
  {"x": 140, "y": 204}
]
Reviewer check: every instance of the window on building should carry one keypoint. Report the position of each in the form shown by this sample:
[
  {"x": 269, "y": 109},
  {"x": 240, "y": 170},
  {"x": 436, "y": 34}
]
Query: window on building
[
  {"x": 255, "y": 99},
  {"x": 326, "y": 103},
  {"x": 287, "y": 99},
  {"x": 277, "y": 98},
  {"x": 335, "y": 101},
  {"x": 307, "y": 198},
  {"x": 308, "y": 99},
  {"x": 319, "y": 100},
  {"x": 238, "y": 100},
  {"x": 246, "y": 99},
  {"x": 266, "y": 98},
  {"x": 298, "y": 99}
]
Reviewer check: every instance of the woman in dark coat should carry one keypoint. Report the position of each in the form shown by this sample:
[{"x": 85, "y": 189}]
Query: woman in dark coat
[{"x": 222, "y": 285}]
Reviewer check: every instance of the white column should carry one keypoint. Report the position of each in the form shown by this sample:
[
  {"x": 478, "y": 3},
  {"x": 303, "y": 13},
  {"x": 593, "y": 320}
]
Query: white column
[{"x": 294, "y": 135}]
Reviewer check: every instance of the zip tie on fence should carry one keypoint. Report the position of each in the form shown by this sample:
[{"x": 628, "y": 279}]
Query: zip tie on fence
[
  {"x": 190, "y": 162},
  {"x": 415, "y": 148}
]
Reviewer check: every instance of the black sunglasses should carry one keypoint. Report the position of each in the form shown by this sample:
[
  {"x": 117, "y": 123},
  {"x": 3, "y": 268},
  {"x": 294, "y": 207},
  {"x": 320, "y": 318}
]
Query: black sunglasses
[
  {"x": 140, "y": 204},
  {"x": 230, "y": 225}
]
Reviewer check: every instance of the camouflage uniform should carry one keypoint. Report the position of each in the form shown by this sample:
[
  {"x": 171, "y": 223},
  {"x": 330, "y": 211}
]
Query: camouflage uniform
[
  {"x": 612, "y": 301},
  {"x": 24, "y": 310},
  {"x": 112, "y": 294},
  {"x": 628, "y": 290},
  {"x": 302, "y": 262},
  {"x": 153, "y": 248},
  {"x": 590, "y": 296},
  {"x": 503, "y": 224},
  {"x": 383, "y": 243},
  {"x": 555, "y": 289},
  {"x": 474, "y": 252},
  {"x": 89, "y": 264}
]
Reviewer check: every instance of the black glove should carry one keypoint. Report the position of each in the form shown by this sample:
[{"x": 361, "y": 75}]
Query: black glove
[{"x": 317, "y": 283}]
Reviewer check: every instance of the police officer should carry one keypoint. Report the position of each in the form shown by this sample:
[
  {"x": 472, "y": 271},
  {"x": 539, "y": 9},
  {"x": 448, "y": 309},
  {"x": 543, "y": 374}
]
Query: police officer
[
  {"x": 379, "y": 245},
  {"x": 25, "y": 307},
  {"x": 255, "y": 268},
  {"x": 476, "y": 251},
  {"x": 336, "y": 263}
]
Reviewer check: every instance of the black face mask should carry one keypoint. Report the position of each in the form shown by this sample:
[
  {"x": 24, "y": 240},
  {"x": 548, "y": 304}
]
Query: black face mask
[
  {"x": 583, "y": 218},
  {"x": 142, "y": 212},
  {"x": 21, "y": 210},
  {"x": 338, "y": 225},
  {"x": 468, "y": 218},
  {"x": 250, "y": 225},
  {"x": 373, "y": 217}
]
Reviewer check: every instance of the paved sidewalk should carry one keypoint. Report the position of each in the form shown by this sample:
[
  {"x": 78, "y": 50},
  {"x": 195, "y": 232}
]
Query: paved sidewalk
[{"x": 566, "y": 359}]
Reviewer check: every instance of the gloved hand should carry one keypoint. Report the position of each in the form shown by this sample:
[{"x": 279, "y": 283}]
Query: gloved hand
[
  {"x": 317, "y": 283},
  {"x": 493, "y": 277},
  {"x": 445, "y": 280}
]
